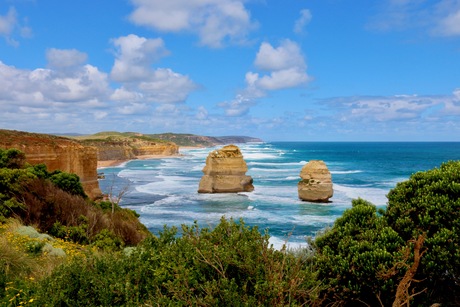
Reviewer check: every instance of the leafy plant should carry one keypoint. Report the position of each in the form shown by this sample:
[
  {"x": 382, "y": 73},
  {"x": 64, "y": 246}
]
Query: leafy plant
[
  {"x": 428, "y": 204},
  {"x": 354, "y": 255}
]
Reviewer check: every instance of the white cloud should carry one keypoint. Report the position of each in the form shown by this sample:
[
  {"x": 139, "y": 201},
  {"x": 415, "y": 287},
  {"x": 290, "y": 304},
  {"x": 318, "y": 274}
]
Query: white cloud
[
  {"x": 304, "y": 19},
  {"x": 237, "y": 107},
  {"x": 123, "y": 94},
  {"x": 133, "y": 108},
  {"x": 285, "y": 56},
  {"x": 9, "y": 26},
  {"x": 202, "y": 113},
  {"x": 457, "y": 93},
  {"x": 135, "y": 57},
  {"x": 65, "y": 58},
  {"x": 214, "y": 21},
  {"x": 98, "y": 115},
  {"x": 282, "y": 67},
  {"x": 281, "y": 79},
  {"x": 439, "y": 18},
  {"x": 42, "y": 87},
  {"x": 449, "y": 25},
  {"x": 8, "y": 22},
  {"x": 285, "y": 65},
  {"x": 391, "y": 108}
]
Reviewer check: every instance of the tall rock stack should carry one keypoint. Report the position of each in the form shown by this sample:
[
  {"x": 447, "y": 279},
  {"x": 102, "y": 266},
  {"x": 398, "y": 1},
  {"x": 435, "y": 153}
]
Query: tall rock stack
[
  {"x": 316, "y": 182},
  {"x": 225, "y": 172}
]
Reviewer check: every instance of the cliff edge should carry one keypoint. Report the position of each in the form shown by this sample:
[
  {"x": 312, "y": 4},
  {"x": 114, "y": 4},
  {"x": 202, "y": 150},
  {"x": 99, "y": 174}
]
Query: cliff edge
[
  {"x": 57, "y": 153},
  {"x": 122, "y": 147}
]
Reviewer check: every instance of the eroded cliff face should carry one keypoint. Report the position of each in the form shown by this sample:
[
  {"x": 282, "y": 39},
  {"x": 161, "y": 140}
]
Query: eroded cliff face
[
  {"x": 131, "y": 148},
  {"x": 225, "y": 172},
  {"x": 316, "y": 182},
  {"x": 57, "y": 153}
]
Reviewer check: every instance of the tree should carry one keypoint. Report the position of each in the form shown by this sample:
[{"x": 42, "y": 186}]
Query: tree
[
  {"x": 12, "y": 158},
  {"x": 354, "y": 256},
  {"x": 69, "y": 183},
  {"x": 429, "y": 204}
]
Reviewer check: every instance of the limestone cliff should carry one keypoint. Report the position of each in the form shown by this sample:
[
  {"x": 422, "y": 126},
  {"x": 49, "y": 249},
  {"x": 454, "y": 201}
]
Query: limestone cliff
[
  {"x": 225, "y": 172},
  {"x": 203, "y": 141},
  {"x": 316, "y": 182},
  {"x": 57, "y": 153},
  {"x": 127, "y": 148}
]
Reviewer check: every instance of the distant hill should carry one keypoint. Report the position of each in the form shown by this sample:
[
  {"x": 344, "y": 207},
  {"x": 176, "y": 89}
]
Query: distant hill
[
  {"x": 178, "y": 138},
  {"x": 203, "y": 141},
  {"x": 121, "y": 146}
]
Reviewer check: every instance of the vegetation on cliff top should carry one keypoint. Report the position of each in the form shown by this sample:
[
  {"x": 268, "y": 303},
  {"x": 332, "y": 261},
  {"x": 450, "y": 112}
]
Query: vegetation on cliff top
[
  {"x": 406, "y": 254},
  {"x": 8, "y": 137},
  {"x": 55, "y": 203},
  {"x": 177, "y": 138}
]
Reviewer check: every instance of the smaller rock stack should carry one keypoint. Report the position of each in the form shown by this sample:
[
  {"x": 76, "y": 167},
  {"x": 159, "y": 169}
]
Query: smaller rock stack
[
  {"x": 225, "y": 172},
  {"x": 316, "y": 182}
]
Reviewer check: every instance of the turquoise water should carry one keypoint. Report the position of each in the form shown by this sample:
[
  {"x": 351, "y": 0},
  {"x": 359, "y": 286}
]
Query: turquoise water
[{"x": 164, "y": 191}]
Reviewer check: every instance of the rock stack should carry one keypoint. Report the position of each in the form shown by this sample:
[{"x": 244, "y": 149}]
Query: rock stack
[
  {"x": 316, "y": 183},
  {"x": 225, "y": 172}
]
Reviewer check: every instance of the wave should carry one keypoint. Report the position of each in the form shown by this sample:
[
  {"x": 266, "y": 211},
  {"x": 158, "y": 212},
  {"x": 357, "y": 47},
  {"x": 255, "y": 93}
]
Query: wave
[
  {"x": 259, "y": 156},
  {"x": 376, "y": 196},
  {"x": 277, "y": 164},
  {"x": 277, "y": 170},
  {"x": 345, "y": 172}
]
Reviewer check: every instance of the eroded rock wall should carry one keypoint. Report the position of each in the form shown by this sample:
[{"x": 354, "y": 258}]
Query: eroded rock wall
[
  {"x": 131, "y": 148},
  {"x": 57, "y": 153}
]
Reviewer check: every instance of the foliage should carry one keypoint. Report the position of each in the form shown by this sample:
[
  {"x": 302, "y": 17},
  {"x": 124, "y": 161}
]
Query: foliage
[
  {"x": 69, "y": 183},
  {"x": 107, "y": 241},
  {"x": 231, "y": 265},
  {"x": 11, "y": 182},
  {"x": 429, "y": 204},
  {"x": 11, "y": 158},
  {"x": 354, "y": 255},
  {"x": 408, "y": 253},
  {"x": 55, "y": 202}
]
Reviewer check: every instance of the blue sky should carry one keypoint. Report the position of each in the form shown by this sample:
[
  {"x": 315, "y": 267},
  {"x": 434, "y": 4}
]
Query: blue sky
[{"x": 316, "y": 70}]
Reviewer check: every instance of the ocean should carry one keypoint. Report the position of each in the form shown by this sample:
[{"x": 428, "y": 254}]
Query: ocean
[{"x": 164, "y": 191}]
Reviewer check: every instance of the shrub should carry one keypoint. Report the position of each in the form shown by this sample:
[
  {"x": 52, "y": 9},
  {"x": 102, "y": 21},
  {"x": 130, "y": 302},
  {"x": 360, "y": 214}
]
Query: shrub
[
  {"x": 12, "y": 158},
  {"x": 107, "y": 241},
  {"x": 354, "y": 256},
  {"x": 428, "y": 204},
  {"x": 69, "y": 183},
  {"x": 231, "y": 265}
]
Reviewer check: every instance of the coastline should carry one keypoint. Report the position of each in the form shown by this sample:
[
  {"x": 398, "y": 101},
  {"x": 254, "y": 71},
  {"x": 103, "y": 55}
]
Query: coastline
[{"x": 114, "y": 163}]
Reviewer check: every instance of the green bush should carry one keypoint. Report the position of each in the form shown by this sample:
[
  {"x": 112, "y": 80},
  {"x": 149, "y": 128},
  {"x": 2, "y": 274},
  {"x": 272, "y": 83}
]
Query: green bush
[
  {"x": 428, "y": 204},
  {"x": 107, "y": 241},
  {"x": 12, "y": 158},
  {"x": 77, "y": 233},
  {"x": 354, "y": 256},
  {"x": 230, "y": 265},
  {"x": 69, "y": 183}
]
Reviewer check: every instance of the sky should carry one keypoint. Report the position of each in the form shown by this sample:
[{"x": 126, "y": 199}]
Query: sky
[{"x": 280, "y": 70}]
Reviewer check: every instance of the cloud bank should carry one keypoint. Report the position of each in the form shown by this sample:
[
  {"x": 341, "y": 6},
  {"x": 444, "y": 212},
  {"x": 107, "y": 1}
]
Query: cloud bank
[{"x": 215, "y": 22}]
